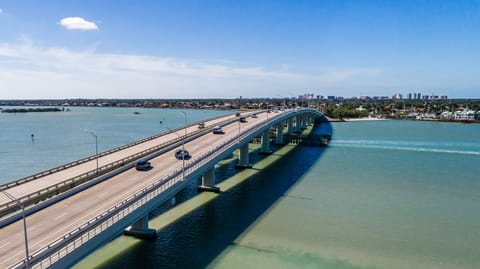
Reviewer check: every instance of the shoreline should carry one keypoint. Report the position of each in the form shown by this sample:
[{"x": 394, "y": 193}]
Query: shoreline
[
  {"x": 355, "y": 119},
  {"x": 403, "y": 119},
  {"x": 364, "y": 119}
]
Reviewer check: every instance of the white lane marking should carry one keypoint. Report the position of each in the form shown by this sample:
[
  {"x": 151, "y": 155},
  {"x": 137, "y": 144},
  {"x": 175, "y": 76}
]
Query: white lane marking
[
  {"x": 2, "y": 246},
  {"x": 60, "y": 216}
]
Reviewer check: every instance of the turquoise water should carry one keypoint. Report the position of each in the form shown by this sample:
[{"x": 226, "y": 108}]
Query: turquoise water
[
  {"x": 61, "y": 137},
  {"x": 384, "y": 194}
]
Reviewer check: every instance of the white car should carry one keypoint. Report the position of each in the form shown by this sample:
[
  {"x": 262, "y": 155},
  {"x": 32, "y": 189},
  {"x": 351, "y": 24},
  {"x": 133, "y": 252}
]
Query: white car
[{"x": 218, "y": 130}]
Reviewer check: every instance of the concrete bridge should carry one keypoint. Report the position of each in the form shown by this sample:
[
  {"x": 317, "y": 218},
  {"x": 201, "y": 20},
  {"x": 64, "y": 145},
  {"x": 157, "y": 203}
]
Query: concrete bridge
[{"x": 73, "y": 209}]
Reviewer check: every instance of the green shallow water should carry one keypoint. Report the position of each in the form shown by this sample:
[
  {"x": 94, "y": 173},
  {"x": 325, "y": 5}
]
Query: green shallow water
[
  {"x": 385, "y": 194},
  {"x": 376, "y": 204}
]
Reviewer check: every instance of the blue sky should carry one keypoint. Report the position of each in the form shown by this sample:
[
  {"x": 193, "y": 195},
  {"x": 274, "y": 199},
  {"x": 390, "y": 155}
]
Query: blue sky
[{"x": 226, "y": 49}]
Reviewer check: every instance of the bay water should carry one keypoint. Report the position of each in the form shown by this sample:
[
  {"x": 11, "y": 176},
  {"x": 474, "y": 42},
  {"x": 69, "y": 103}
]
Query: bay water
[
  {"x": 383, "y": 194},
  {"x": 63, "y": 137}
]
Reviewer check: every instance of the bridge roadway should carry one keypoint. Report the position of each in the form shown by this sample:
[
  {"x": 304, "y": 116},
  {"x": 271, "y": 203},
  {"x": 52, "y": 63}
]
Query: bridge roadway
[
  {"x": 57, "y": 220},
  {"x": 31, "y": 188}
]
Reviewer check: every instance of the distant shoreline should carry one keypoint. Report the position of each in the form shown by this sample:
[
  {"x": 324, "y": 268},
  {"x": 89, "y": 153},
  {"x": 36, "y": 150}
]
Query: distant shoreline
[
  {"x": 32, "y": 110},
  {"x": 354, "y": 119},
  {"x": 364, "y": 119},
  {"x": 383, "y": 119}
]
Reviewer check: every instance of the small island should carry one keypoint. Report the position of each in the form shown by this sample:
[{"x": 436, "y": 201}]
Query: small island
[{"x": 28, "y": 110}]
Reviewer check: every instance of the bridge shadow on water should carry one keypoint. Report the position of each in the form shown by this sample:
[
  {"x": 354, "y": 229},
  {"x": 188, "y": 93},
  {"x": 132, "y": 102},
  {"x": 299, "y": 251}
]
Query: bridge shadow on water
[{"x": 199, "y": 237}]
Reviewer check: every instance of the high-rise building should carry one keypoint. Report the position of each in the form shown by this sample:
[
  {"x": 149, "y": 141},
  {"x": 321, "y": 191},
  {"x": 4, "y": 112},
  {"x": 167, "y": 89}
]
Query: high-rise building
[{"x": 397, "y": 96}]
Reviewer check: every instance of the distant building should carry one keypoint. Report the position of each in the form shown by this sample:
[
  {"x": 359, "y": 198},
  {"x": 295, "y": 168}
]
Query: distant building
[
  {"x": 409, "y": 96},
  {"x": 465, "y": 114},
  {"x": 397, "y": 96},
  {"x": 331, "y": 97},
  {"x": 447, "y": 115},
  {"x": 443, "y": 97}
]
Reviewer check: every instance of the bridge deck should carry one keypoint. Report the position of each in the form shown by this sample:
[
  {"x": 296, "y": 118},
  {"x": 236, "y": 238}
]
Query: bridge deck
[
  {"x": 62, "y": 175},
  {"x": 57, "y": 220}
]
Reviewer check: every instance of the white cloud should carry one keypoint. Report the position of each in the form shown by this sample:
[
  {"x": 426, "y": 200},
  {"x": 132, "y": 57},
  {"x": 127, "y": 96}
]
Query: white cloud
[
  {"x": 77, "y": 23},
  {"x": 1, "y": 10},
  {"x": 30, "y": 71}
]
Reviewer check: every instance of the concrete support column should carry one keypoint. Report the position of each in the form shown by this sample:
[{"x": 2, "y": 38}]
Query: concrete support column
[
  {"x": 290, "y": 125},
  {"x": 208, "y": 181},
  {"x": 140, "y": 229},
  {"x": 266, "y": 142},
  {"x": 304, "y": 122},
  {"x": 243, "y": 160},
  {"x": 298, "y": 124},
  {"x": 279, "y": 137}
]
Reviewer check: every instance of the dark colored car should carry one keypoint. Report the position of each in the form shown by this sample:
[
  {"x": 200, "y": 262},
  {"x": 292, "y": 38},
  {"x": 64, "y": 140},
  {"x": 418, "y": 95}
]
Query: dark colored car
[
  {"x": 143, "y": 165},
  {"x": 182, "y": 154}
]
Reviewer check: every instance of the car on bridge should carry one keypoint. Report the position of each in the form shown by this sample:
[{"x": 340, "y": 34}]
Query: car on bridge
[
  {"x": 182, "y": 154},
  {"x": 243, "y": 119},
  {"x": 218, "y": 130},
  {"x": 143, "y": 165},
  {"x": 201, "y": 125}
]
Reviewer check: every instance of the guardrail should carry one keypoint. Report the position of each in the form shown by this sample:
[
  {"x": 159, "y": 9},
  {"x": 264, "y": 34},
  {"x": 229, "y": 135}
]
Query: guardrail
[
  {"x": 61, "y": 247},
  {"x": 60, "y": 187},
  {"x": 20, "y": 181}
]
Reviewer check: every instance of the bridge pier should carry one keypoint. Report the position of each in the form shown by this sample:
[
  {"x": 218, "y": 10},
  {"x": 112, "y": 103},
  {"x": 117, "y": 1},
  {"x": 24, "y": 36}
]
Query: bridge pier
[
  {"x": 208, "y": 181},
  {"x": 290, "y": 125},
  {"x": 140, "y": 229},
  {"x": 243, "y": 160},
  {"x": 266, "y": 142},
  {"x": 279, "y": 135},
  {"x": 298, "y": 124},
  {"x": 304, "y": 122}
]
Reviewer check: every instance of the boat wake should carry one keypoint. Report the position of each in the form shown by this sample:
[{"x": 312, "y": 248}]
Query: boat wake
[{"x": 417, "y": 146}]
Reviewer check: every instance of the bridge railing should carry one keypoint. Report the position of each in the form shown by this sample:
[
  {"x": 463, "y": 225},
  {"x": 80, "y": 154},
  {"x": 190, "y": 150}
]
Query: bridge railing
[
  {"x": 67, "y": 184},
  {"x": 61, "y": 247},
  {"x": 66, "y": 244},
  {"x": 93, "y": 157}
]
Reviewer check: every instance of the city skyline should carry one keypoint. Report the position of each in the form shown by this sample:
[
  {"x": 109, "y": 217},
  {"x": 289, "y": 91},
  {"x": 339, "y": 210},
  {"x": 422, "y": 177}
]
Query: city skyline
[{"x": 223, "y": 49}]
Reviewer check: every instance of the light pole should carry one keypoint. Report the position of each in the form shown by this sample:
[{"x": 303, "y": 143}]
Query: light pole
[
  {"x": 239, "y": 118},
  {"x": 96, "y": 146},
  {"x": 183, "y": 145},
  {"x": 183, "y": 149},
  {"x": 268, "y": 111},
  {"x": 21, "y": 205},
  {"x": 284, "y": 101}
]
